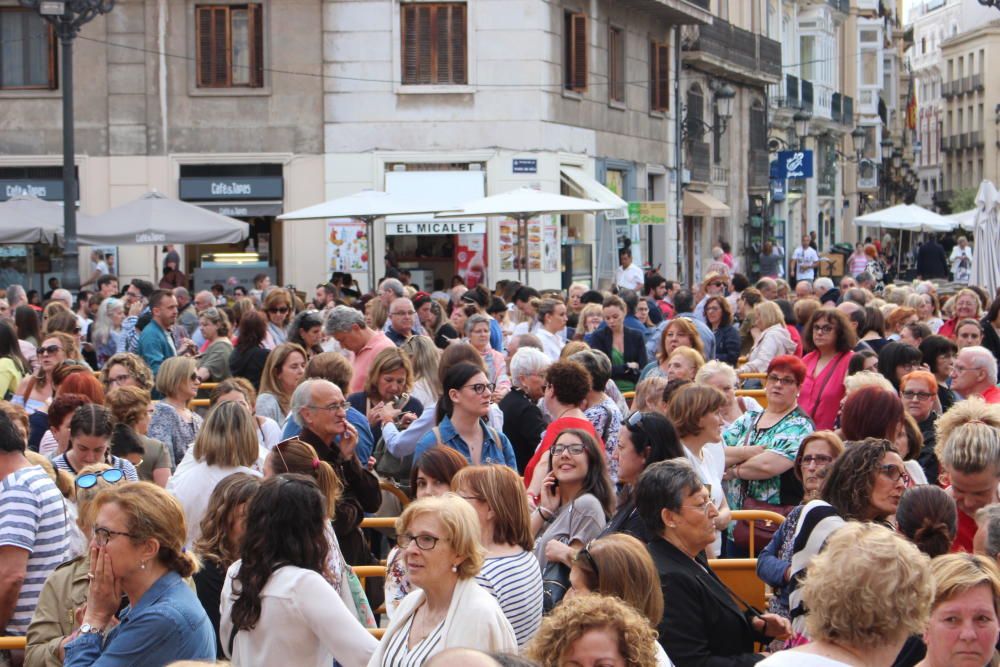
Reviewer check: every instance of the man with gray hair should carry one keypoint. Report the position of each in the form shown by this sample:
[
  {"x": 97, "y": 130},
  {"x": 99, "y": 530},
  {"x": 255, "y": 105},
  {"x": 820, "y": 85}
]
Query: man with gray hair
[
  {"x": 64, "y": 296},
  {"x": 186, "y": 315},
  {"x": 347, "y": 326},
  {"x": 975, "y": 374},
  {"x": 16, "y": 296},
  {"x": 390, "y": 289},
  {"x": 402, "y": 317},
  {"x": 319, "y": 407},
  {"x": 523, "y": 422},
  {"x": 803, "y": 290},
  {"x": 203, "y": 300},
  {"x": 987, "y": 539}
]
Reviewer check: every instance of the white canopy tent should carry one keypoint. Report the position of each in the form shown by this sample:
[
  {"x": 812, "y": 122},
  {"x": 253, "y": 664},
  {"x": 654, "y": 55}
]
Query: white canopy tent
[
  {"x": 966, "y": 219},
  {"x": 986, "y": 253},
  {"x": 906, "y": 217},
  {"x": 27, "y": 219}
]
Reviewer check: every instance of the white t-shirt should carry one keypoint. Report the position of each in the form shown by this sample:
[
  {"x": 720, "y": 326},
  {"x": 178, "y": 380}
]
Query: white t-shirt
[
  {"x": 799, "y": 659},
  {"x": 710, "y": 468},
  {"x": 630, "y": 278},
  {"x": 808, "y": 256}
]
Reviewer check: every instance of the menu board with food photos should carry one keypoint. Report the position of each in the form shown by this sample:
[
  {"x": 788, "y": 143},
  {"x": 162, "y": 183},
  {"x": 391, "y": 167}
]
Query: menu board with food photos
[
  {"x": 346, "y": 246},
  {"x": 543, "y": 245}
]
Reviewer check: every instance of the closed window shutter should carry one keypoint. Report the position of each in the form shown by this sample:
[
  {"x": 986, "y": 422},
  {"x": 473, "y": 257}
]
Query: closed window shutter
[
  {"x": 257, "y": 53},
  {"x": 434, "y": 43},
  {"x": 458, "y": 46},
  {"x": 616, "y": 64},
  {"x": 215, "y": 46},
  {"x": 659, "y": 76},
  {"x": 579, "y": 52},
  {"x": 205, "y": 43}
]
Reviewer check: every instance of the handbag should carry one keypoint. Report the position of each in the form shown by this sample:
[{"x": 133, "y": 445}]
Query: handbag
[
  {"x": 555, "y": 583},
  {"x": 763, "y": 531}
]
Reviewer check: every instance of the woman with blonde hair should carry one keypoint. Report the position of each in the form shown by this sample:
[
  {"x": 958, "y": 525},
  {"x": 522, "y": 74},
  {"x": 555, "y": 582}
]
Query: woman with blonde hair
[
  {"x": 226, "y": 444},
  {"x": 963, "y": 627},
  {"x": 389, "y": 382},
  {"x": 683, "y": 364},
  {"x": 864, "y": 618},
  {"x": 131, "y": 410},
  {"x": 283, "y": 371},
  {"x": 424, "y": 357},
  {"x": 722, "y": 376},
  {"x": 591, "y": 317},
  {"x": 771, "y": 338},
  {"x": 241, "y": 391},
  {"x": 126, "y": 369},
  {"x": 680, "y": 332},
  {"x": 597, "y": 630},
  {"x": 36, "y": 390},
  {"x": 649, "y": 395},
  {"x": 174, "y": 423},
  {"x": 510, "y": 571},
  {"x": 138, "y": 550}
]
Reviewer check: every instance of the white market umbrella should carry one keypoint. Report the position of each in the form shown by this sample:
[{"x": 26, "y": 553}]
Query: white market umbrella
[
  {"x": 155, "y": 219},
  {"x": 523, "y": 204},
  {"x": 28, "y": 219},
  {"x": 907, "y": 217},
  {"x": 986, "y": 254},
  {"x": 966, "y": 219},
  {"x": 367, "y": 206}
]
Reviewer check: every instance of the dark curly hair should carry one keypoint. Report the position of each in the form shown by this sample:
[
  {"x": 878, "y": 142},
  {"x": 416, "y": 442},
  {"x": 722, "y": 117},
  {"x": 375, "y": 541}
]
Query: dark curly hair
[
  {"x": 569, "y": 380},
  {"x": 851, "y": 478},
  {"x": 285, "y": 526}
]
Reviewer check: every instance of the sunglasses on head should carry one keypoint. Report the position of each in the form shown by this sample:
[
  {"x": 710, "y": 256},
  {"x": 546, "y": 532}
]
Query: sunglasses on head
[{"x": 111, "y": 476}]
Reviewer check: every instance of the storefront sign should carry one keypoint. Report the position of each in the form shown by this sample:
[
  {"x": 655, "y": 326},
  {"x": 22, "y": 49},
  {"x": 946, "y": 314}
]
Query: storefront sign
[
  {"x": 49, "y": 190},
  {"x": 795, "y": 164},
  {"x": 542, "y": 246},
  {"x": 525, "y": 166},
  {"x": 243, "y": 210},
  {"x": 248, "y": 187},
  {"x": 346, "y": 246},
  {"x": 647, "y": 213},
  {"x": 436, "y": 228},
  {"x": 470, "y": 258},
  {"x": 777, "y": 189}
]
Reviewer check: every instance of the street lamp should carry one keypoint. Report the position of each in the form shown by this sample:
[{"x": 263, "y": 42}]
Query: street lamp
[
  {"x": 67, "y": 17},
  {"x": 690, "y": 126},
  {"x": 897, "y": 158},
  {"x": 859, "y": 141},
  {"x": 801, "y": 119},
  {"x": 724, "y": 97},
  {"x": 990, "y": 3}
]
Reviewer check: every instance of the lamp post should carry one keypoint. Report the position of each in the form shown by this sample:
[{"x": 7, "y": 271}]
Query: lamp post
[
  {"x": 67, "y": 17},
  {"x": 859, "y": 142},
  {"x": 801, "y": 119}
]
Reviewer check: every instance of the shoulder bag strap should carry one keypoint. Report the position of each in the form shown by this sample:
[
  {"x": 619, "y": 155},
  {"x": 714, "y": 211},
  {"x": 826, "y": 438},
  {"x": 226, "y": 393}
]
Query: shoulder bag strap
[{"x": 827, "y": 374}]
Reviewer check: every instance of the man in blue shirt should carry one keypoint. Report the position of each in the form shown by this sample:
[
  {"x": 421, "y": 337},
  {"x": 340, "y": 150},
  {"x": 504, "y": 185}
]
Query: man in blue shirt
[{"x": 155, "y": 342}]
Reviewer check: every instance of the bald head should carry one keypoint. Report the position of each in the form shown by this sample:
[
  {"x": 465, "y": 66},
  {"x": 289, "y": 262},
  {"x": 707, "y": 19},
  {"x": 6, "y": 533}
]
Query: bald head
[{"x": 803, "y": 289}]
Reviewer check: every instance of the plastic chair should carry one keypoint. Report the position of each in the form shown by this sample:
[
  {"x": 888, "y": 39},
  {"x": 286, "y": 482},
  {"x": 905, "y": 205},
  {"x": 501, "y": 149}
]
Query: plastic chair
[
  {"x": 13, "y": 643},
  {"x": 758, "y": 395},
  {"x": 740, "y": 575}
]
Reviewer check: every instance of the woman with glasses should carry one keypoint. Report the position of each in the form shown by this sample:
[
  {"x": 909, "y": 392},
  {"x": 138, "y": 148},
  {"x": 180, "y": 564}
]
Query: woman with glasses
[
  {"x": 645, "y": 438},
  {"x": 577, "y": 498},
  {"x": 277, "y": 605},
  {"x": 702, "y": 624},
  {"x": 126, "y": 370},
  {"x": 249, "y": 352},
  {"x": 213, "y": 362},
  {"x": 510, "y": 572},
  {"x": 896, "y": 360},
  {"x": 389, "y": 381},
  {"x": 174, "y": 423},
  {"x": 721, "y": 376},
  {"x": 865, "y": 483},
  {"x": 620, "y": 566},
  {"x": 477, "y": 333},
  {"x": 719, "y": 317},
  {"x": 226, "y": 444},
  {"x": 131, "y": 410},
  {"x": 277, "y": 307},
  {"x": 306, "y": 330},
  {"x": 439, "y": 538},
  {"x": 138, "y": 550},
  {"x": 679, "y": 332},
  {"x": 461, "y": 414},
  {"x": 966, "y": 306},
  {"x": 774, "y": 563},
  {"x": 918, "y": 390},
  {"x": 828, "y": 341},
  {"x": 65, "y": 590},
  {"x": 36, "y": 390},
  {"x": 90, "y": 442},
  {"x": 284, "y": 370}
]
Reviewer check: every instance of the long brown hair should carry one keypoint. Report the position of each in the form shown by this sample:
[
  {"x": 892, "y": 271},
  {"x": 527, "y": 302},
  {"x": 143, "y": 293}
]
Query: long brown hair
[
  {"x": 296, "y": 456},
  {"x": 227, "y": 497},
  {"x": 503, "y": 491}
]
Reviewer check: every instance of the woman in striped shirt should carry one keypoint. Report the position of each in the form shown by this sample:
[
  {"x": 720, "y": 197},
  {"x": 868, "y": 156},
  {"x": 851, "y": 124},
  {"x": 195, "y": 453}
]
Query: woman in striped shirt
[{"x": 510, "y": 571}]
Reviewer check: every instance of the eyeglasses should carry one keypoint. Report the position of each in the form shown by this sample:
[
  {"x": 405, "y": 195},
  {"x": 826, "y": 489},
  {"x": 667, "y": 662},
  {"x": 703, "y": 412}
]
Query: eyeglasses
[
  {"x": 77, "y": 330},
  {"x": 918, "y": 395},
  {"x": 481, "y": 387},
  {"x": 818, "y": 459},
  {"x": 894, "y": 474},
  {"x": 278, "y": 309},
  {"x": 784, "y": 381},
  {"x": 961, "y": 369},
  {"x": 49, "y": 349},
  {"x": 405, "y": 313},
  {"x": 194, "y": 377},
  {"x": 910, "y": 366},
  {"x": 704, "y": 507},
  {"x": 469, "y": 499},
  {"x": 333, "y": 407},
  {"x": 110, "y": 476},
  {"x": 575, "y": 448},
  {"x": 824, "y": 328},
  {"x": 717, "y": 284},
  {"x": 424, "y": 542},
  {"x": 103, "y": 535},
  {"x": 119, "y": 379}
]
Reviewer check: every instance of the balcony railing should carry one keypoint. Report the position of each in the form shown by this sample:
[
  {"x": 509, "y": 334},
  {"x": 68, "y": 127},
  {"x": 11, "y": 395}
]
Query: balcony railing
[
  {"x": 760, "y": 167},
  {"x": 975, "y": 139},
  {"x": 946, "y": 90},
  {"x": 807, "y": 95},
  {"x": 967, "y": 85},
  {"x": 701, "y": 163},
  {"x": 961, "y": 140},
  {"x": 848, "y": 104},
  {"x": 977, "y": 82},
  {"x": 720, "y": 175},
  {"x": 726, "y": 48},
  {"x": 842, "y": 6}
]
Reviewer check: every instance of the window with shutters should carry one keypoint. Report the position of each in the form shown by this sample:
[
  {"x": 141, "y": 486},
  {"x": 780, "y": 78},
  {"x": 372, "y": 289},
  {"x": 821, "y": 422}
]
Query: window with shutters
[
  {"x": 616, "y": 64},
  {"x": 27, "y": 51},
  {"x": 434, "y": 43},
  {"x": 575, "y": 52},
  {"x": 659, "y": 76},
  {"x": 230, "y": 46}
]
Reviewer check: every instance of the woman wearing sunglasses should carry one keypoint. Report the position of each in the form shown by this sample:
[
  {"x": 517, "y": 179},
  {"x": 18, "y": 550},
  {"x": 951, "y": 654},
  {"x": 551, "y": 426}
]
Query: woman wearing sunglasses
[
  {"x": 461, "y": 413},
  {"x": 278, "y": 309},
  {"x": 65, "y": 590},
  {"x": 35, "y": 391},
  {"x": 174, "y": 423},
  {"x": 90, "y": 443}
]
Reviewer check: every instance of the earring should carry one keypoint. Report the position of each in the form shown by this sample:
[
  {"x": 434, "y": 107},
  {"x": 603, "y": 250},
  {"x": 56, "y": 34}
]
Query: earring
[
  {"x": 142, "y": 565},
  {"x": 673, "y": 525},
  {"x": 454, "y": 568}
]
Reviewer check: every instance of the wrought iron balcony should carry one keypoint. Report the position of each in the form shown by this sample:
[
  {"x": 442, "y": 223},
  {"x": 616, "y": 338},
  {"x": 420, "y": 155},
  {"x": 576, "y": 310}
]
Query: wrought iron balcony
[
  {"x": 977, "y": 82},
  {"x": 724, "y": 49},
  {"x": 700, "y": 161}
]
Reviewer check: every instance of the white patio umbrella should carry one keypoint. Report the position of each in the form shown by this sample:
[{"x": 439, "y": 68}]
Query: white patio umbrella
[
  {"x": 27, "y": 219},
  {"x": 986, "y": 254},
  {"x": 907, "y": 217},
  {"x": 966, "y": 219},
  {"x": 154, "y": 218},
  {"x": 367, "y": 206},
  {"x": 523, "y": 204}
]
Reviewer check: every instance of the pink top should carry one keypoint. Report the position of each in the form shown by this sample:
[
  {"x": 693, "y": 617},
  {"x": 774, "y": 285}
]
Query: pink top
[
  {"x": 365, "y": 357},
  {"x": 820, "y": 395}
]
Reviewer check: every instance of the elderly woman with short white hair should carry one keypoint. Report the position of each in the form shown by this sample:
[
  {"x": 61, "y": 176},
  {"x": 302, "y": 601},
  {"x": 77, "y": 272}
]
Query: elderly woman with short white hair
[
  {"x": 722, "y": 376},
  {"x": 523, "y": 422}
]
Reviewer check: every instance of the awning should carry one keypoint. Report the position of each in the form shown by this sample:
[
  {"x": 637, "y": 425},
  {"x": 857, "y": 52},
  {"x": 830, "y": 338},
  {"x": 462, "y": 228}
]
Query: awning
[
  {"x": 438, "y": 186},
  {"x": 704, "y": 205},
  {"x": 591, "y": 189}
]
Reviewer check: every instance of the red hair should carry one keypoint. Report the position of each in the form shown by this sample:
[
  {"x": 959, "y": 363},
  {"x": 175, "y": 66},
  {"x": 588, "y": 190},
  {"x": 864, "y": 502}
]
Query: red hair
[
  {"x": 871, "y": 412},
  {"x": 790, "y": 364},
  {"x": 84, "y": 384}
]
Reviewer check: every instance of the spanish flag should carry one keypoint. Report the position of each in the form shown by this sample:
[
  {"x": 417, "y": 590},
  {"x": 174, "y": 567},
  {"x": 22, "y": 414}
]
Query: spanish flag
[{"x": 911, "y": 108}]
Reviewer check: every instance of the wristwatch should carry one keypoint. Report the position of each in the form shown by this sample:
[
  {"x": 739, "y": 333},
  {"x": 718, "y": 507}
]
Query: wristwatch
[{"x": 88, "y": 629}]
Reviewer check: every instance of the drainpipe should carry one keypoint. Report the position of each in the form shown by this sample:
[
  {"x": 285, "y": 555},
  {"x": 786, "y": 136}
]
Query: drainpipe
[{"x": 678, "y": 165}]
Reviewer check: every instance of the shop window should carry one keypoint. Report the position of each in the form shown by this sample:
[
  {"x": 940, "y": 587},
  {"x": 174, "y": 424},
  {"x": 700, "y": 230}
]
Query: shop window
[
  {"x": 230, "y": 46},
  {"x": 575, "y": 52},
  {"x": 659, "y": 76},
  {"x": 27, "y": 51},
  {"x": 616, "y": 64},
  {"x": 435, "y": 43}
]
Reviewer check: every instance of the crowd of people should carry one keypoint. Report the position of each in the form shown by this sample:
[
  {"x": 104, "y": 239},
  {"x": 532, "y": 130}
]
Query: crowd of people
[{"x": 186, "y": 478}]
